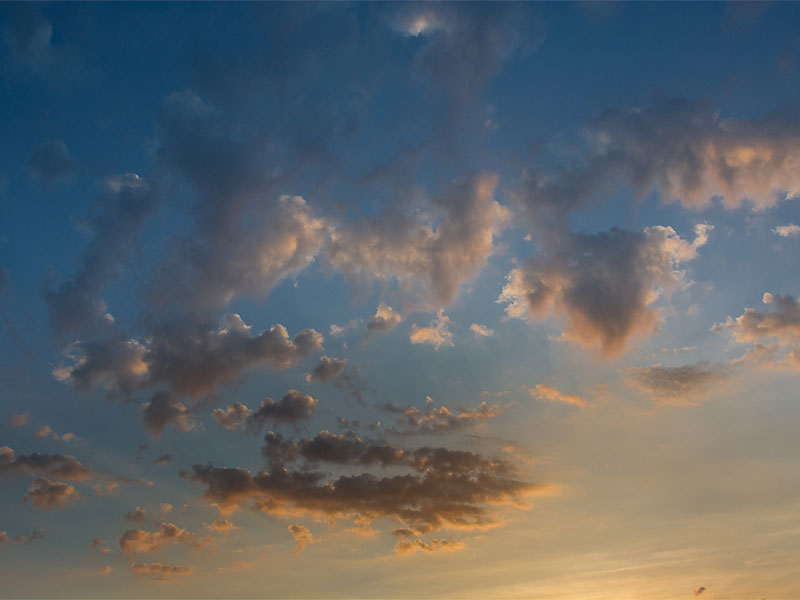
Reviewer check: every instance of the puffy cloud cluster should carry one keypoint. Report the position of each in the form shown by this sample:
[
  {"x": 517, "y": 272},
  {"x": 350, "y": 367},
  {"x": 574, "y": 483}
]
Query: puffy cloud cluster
[
  {"x": 384, "y": 319},
  {"x": 773, "y": 335},
  {"x": 442, "y": 420},
  {"x": 22, "y": 538},
  {"x": 232, "y": 416},
  {"x": 165, "y": 409},
  {"x": 327, "y": 369},
  {"x": 787, "y": 231},
  {"x": 436, "y": 334},
  {"x": 428, "y": 255},
  {"x": 62, "y": 466},
  {"x": 292, "y": 408},
  {"x": 551, "y": 394},
  {"x": 45, "y": 494},
  {"x": 441, "y": 488},
  {"x": 189, "y": 362},
  {"x": 682, "y": 149},
  {"x": 604, "y": 284},
  {"x": 677, "y": 385},
  {"x": 139, "y": 541}
]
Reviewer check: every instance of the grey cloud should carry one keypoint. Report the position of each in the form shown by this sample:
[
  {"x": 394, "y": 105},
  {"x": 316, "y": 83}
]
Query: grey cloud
[
  {"x": 327, "y": 369},
  {"x": 22, "y": 538},
  {"x": 604, "y": 284},
  {"x": 686, "y": 384},
  {"x": 164, "y": 459},
  {"x": 158, "y": 570},
  {"x": 137, "y": 541},
  {"x": 292, "y": 408},
  {"x": 136, "y": 516},
  {"x": 52, "y": 465},
  {"x": 384, "y": 319},
  {"x": 441, "y": 420},
  {"x": 163, "y": 410},
  {"x": 233, "y": 416}
]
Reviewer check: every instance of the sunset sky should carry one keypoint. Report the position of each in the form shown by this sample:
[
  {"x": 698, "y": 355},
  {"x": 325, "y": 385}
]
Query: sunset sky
[{"x": 408, "y": 300}]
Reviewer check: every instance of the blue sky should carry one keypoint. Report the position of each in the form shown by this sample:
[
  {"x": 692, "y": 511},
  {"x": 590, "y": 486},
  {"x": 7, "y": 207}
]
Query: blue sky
[{"x": 399, "y": 300}]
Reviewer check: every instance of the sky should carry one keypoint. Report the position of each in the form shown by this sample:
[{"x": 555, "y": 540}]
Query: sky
[{"x": 413, "y": 300}]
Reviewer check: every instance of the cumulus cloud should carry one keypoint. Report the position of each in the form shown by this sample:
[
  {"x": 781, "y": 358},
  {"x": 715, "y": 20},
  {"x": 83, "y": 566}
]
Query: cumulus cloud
[
  {"x": 232, "y": 416},
  {"x": 551, "y": 394},
  {"x": 292, "y": 408},
  {"x": 21, "y": 538},
  {"x": 442, "y": 488},
  {"x": 193, "y": 362},
  {"x": 51, "y": 161},
  {"x": 481, "y": 330},
  {"x": 410, "y": 546},
  {"x": 677, "y": 385},
  {"x": 302, "y": 537},
  {"x": 99, "y": 545},
  {"x": 159, "y": 571},
  {"x": 384, "y": 319},
  {"x": 772, "y": 335},
  {"x": 45, "y": 494},
  {"x": 428, "y": 255},
  {"x": 437, "y": 333},
  {"x": 43, "y": 431},
  {"x": 140, "y": 541},
  {"x": 164, "y": 459},
  {"x": 52, "y": 465},
  {"x": 603, "y": 284},
  {"x": 163, "y": 410},
  {"x": 685, "y": 150},
  {"x": 76, "y": 305},
  {"x": 137, "y": 515},
  {"x": 787, "y": 231},
  {"x": 221, "y": 526},
  {"x": 327, "y": 369},
  {"x": 442, "y": 419}
]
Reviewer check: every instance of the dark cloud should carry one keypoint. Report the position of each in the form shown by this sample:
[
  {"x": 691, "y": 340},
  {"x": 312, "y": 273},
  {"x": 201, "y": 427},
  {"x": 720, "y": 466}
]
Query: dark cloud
[
  {"x": 99, "y": 545},
  {"x": 292, "y": 408},
  {"x": 45, "y": 494},
  {"x": 441, "y": 420},
  {"x": 115, "y": 220},
  {"x": 52, "y": 465},
  {"x": 165, "y": 409},
  {"x": 604, "y": 284},
  {"x": 164, "y": 459},
  {"x": 51, "y": 161},
  {"x": 327, "y": 369},
  {"x": 193, "y": 361},
  {"x": 686, "y": 384},
  {"x": 27, "y": 37}
]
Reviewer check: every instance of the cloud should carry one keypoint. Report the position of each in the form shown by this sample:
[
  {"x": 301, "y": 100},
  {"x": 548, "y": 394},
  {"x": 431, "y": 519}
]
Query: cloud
[
  {"x": 111, "y": 484},
  {"x": 164, "y": 459},
  {"x": 159, "y": 571},
  {"x": 43, "y": 431},
  {"x": 677, "y": 385},
  {"x": 699, "y": 591},
  {"x": 442, "y": 419},
  {"x": 405, "y": 546},
  {"x": 603, "y": 284},
  {"x": 443, "y": 489},
  {"x": 384, "y": 319},
  {"x": 27, "y": 34},
  {"x": 551, "y": 394},
  {"x": 46, "y": 494},
  {"x": 680, "y": 148},
  {"x": 428, "y": 255},
  {"x": 18, "y": 420},
  {"x": 221, "y": 526},
  {"x": 780, "y": 327},
  {"x": 436, "y": 334},
  {"x": 52, "y": 465},
  {"x": 140, "y": 541},
  {"x": 193, "y": 362},
  {"x": 327, "y": 369},
  {"x": 163, "y": 410},
  {"x": 115, "y": 220},
  {"x": 787, "y": 231},
  {"x": 292, "y": 408},
  {"x": 51, "y": 161},
  {"x": 233, "y": 416},
  {"x": 22, "y": 538},
  {"x": 481, "y": 330},
  {"x": 136, "y": 516},
  {"x": 99, "y": 545},
  {"x": 302, "y": 537}
]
